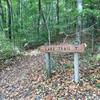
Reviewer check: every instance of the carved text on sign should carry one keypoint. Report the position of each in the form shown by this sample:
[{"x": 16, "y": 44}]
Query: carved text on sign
[{"x": 64, "y": 48}]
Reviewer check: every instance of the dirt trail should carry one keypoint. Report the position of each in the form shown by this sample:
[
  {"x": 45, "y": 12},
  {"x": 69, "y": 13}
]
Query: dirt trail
[
  {"x": 23, "y": 79},
  {"x": 18, "y": 78}
]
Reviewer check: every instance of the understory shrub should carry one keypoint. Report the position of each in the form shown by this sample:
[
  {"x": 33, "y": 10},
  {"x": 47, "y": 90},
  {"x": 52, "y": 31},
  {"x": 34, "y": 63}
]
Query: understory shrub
[{"x": 6, "y": 47}]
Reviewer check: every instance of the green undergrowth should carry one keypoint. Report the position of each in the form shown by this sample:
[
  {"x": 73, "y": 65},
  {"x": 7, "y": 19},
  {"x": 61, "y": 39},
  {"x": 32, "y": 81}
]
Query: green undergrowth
[{"x": 6, "y": 47}]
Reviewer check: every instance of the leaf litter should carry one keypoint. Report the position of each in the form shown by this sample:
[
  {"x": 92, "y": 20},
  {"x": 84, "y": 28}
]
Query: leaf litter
[{"x": 24, "y": 79}]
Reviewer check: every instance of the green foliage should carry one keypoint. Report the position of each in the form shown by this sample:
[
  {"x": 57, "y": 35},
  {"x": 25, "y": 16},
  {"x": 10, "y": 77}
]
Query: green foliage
[
  {"x": 93, "y": 12},
  {"x": 29, "y": 25},
  {"x": 68, "y": 66},
  {"x": 98, "y": 85},
  {"x": 98, "y": 57},
  {"x": 26, "y": 17},
  {"x": 6, "y": 47}
]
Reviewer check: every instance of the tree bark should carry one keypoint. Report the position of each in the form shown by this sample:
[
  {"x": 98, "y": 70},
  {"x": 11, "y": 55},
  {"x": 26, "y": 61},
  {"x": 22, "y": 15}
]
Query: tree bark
[
  {"x": 57, "y": 11},
  {"x": 57, "y": 7},
  {"x": 78, "y": 41},
  {"x": 2, "y": 15},
  {"x": 47, "y": 55},
  {"x": 9, "y": 18},
  {"x": 79, "y": 24},
  {"x": 39, "y": 9}
]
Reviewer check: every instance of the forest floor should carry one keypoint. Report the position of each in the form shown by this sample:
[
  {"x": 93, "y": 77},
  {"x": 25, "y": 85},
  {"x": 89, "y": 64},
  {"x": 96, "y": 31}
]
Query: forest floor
[{"x": 23, "y": 79}]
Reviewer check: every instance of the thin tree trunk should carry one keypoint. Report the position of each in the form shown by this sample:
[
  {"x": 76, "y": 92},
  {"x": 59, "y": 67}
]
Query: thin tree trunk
[
  {"x": 47, "y": 55},
  {"x": 78, "y": 41},
  {"x": 9, "y": 19},
  {"x": 2, "y": 15},
  {"x": 45, "y": 22},
  {"x": 21, "y": 19},
  {"x": 79, "y": 24},
  {"x": 39, "y": 8},
  {"x": 92, "y": 43},
  {"x": 57, "y": 9}
]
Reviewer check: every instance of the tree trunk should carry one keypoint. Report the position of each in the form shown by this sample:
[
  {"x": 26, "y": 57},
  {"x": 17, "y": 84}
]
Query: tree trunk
[
  {"x": 78, "y": 41},
  {"x": 79, "y": 24},
  {"x": 57, "y": 9},
  {"x": 2, "y": 15},
  {"x": 46, "y": 25},
  {"x": 39, "y": 8},
  {"x": 9, "y": 18},
  {"x": 47, "y": 55},
  {"x": 19, "y": 13}
]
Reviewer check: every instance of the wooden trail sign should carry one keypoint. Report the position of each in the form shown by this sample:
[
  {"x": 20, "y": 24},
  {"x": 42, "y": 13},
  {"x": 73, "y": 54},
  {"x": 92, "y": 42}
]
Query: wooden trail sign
[
  {"x": 64, "y": 48},
  {"x": 68, "y": 48}
]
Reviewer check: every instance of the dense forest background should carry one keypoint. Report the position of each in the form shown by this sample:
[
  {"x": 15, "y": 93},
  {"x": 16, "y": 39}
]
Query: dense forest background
[
  {"x": 27, "y": 73},
  {"x": 31, "y": 23}
]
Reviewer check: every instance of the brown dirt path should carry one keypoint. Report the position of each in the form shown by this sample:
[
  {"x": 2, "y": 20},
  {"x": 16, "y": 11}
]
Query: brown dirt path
[{"x": 23, "y": 79}]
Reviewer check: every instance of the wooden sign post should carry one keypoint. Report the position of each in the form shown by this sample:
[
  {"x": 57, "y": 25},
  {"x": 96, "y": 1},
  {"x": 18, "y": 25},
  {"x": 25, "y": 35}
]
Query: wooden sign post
[
  {"x": 48, "y": 64},
  {"x": 63, "y": 48},
  {"x": 76, "y": 67},
  {"x": 67, "y": 48}
]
